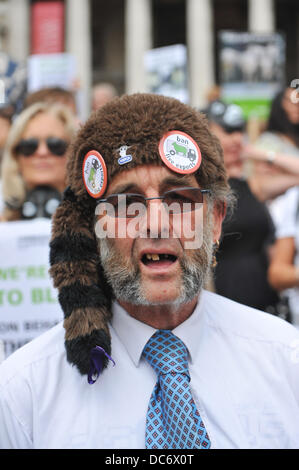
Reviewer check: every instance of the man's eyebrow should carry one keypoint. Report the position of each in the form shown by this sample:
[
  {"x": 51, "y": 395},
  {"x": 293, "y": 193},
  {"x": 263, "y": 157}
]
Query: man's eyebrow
[
  {"x": 184, "y": 180},
  {"x": 123, "y": 188}
]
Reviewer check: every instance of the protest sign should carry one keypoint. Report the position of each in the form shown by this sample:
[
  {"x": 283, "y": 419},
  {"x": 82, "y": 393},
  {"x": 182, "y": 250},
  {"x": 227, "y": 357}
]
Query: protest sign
[
  {"x": 51, "y": 70},
  {"x": 251, "y": 70},
  {"x": 28, "y": 301},
  {"x": 47, "y": 27},
  {"x": 166, "y": 71}
]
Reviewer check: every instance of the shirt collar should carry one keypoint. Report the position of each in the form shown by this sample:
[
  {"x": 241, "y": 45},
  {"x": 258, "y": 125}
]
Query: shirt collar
[{"x": 134, "y": 334}]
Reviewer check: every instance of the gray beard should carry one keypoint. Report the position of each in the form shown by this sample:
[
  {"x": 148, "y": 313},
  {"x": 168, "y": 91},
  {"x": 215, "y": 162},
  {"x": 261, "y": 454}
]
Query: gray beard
[{"x": 125, "y": 278}]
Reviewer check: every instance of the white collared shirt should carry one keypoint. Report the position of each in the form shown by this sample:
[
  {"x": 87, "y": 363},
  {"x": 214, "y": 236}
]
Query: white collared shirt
[{"x": 244, "y": 367}]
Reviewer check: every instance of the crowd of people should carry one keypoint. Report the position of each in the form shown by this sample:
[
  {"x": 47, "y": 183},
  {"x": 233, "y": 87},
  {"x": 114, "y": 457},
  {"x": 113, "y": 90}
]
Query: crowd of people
[
  {"x": 257, "y": 258},
  {"x": 146, "y": 356},
  {"x": 262, "y": 176},
  {"x": 249, "y": 255}
]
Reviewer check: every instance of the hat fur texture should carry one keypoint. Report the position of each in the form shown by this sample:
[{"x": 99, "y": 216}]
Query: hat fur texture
[{"x": 139, "y": 122}]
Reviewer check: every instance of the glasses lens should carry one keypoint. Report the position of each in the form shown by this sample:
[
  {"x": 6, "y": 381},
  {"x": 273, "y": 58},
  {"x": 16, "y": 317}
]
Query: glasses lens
[
  {"x": 57, "y": 146},
  {"x": 27, "y": 147},
  {"x": 182, "y": 199},
  {"x": 125, "y": 205},
  {"x": 110, "y": 205},
  {"x": 132, "y": 205}
]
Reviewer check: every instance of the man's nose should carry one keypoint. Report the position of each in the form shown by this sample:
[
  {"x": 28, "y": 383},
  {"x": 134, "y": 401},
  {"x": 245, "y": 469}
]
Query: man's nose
[{"x": 155, "y": 223}]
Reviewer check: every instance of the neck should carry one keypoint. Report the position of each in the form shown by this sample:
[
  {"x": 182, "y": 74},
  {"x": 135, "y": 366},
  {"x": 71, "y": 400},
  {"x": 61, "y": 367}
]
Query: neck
[
  {"x": 235, "y": 171},
  {"x": 164, "y": 317}
]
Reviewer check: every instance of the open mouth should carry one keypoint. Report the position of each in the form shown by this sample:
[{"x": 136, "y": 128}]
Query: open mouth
[{"x": 158, "y": 259}]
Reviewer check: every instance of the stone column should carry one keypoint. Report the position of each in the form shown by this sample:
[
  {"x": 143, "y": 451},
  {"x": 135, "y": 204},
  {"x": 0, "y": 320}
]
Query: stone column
[
  {"x": 200, "y": 47},
  {"x": 78, "y": 43},
  {"x": 18, "y": 20},
  {"x": 261, "y": 16},
  {"x": 138, "y": 40}
]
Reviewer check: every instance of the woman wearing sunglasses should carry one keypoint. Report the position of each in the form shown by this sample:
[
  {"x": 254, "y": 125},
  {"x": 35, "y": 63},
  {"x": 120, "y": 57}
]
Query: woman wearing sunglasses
[{"x": 35, "y": 155}]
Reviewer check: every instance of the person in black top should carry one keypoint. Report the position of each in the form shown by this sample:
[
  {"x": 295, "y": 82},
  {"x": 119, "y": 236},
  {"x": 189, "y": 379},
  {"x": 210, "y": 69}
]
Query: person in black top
[{"x": 243, "y": 254}]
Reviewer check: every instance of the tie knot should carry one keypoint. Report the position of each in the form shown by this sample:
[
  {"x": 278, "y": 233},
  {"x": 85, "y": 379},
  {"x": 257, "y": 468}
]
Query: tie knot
[{"x": 166, "y": 353}]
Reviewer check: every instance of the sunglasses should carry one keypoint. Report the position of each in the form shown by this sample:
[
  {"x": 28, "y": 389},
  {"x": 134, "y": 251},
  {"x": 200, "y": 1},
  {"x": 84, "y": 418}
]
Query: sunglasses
[
  {"x": 27, "y": 147},
  {"x": 176, "y": 201}
]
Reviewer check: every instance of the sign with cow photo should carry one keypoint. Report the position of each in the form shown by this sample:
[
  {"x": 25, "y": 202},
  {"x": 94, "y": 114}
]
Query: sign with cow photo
[{"x": 251, "y": 70}]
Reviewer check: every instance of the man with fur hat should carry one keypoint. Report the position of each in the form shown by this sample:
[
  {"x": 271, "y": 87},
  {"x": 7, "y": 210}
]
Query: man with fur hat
[{"x": 146, "y": 357}]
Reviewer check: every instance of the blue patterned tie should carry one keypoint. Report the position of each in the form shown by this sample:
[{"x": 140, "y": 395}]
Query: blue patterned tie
[{"x": 173, "y": 421}]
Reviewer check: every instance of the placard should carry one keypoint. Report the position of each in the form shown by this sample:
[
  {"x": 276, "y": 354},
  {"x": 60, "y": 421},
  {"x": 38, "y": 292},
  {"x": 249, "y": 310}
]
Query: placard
[
  {"x": 51, "y": 70},
  {"x": 28, "y": 301},
  {"x": 47, "y": 23},
  {"x": 252, "y": 70},
  {"x": 166, "y": 71}
]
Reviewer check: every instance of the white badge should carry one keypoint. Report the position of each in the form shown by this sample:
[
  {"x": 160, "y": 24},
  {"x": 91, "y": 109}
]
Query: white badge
[
  {"x": 124, "y": 157},
  {"x": 180, "y": 152}
]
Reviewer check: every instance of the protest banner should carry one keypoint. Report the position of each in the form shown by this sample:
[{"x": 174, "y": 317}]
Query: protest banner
[
  {"x": 166, "y": 71},
  {"x": 51, "y": 70},
  {"x": 47, "y": 27},
  {"x": 28, "y": 302},
  {"x": 252, "y": 69}
]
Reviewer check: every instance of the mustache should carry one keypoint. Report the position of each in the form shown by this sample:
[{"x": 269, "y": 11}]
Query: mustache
[{"x": 120, "y": 266}]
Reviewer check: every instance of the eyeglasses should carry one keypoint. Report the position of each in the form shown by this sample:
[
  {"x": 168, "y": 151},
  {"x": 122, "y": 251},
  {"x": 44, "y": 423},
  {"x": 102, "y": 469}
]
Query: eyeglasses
[
  {"x": 27, "y": 147},
  {"x": 175, "y": 201}
]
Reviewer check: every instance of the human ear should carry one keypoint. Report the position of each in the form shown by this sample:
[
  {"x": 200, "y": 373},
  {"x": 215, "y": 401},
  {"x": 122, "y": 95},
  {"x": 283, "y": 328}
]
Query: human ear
[{"x": 219, "y": 212}]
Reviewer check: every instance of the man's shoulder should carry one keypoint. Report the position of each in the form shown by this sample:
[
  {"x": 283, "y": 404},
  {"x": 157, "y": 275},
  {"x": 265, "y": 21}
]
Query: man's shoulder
[
  {"x": 237, "y": 319},
  {"x": 38, "y": 351}
]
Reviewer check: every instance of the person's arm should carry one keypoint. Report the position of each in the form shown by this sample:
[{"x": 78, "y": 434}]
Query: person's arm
[
  {"x": 267, "y": 186},
  {"x": 288, "y": 163},
  {"x": 282, "y": 273}
]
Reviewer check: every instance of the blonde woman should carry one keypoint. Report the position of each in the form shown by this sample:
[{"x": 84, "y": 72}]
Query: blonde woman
[{"x": 35, "y": 154}]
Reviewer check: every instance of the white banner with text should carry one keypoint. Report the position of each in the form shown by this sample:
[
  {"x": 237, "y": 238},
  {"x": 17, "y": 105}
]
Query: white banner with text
[{"x": 28, "y": 301}]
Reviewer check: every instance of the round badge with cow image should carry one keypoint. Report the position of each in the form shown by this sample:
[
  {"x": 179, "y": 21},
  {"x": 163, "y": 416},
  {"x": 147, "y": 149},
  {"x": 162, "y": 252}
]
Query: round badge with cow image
[
  {"x": 94, "y": 174},
  {"x": 180, "y": 152}
]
